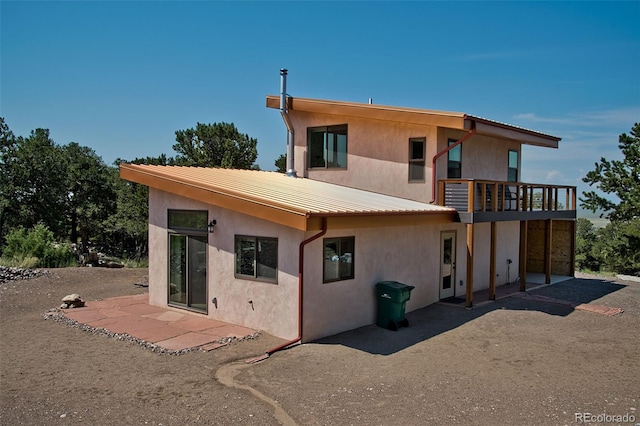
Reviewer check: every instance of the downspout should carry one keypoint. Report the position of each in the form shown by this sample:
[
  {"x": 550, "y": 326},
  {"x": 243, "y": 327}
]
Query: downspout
[
  {"x": 443, "y": 152},
  {"x": 300, "y": 288},
  {"x": 284, "y": 110}
]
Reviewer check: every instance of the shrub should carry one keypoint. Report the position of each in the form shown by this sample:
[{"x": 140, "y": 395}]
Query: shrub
[{"x": 23, "y": 246}]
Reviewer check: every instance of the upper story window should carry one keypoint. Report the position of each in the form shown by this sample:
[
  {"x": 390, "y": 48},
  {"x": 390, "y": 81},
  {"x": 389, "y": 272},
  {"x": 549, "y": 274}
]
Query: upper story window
[
  {"x": 256, "y": 258},
  {"x": 416, "y": 159},
  {"x": 338, "y": 258},
  {"x": 512, "y": 175},
  {"x": 327, "y": 147},
  {"x": 454, "y": 166}
]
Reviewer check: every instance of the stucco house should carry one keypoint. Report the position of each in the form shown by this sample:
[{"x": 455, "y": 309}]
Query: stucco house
[{"x": 373, "y": 193}]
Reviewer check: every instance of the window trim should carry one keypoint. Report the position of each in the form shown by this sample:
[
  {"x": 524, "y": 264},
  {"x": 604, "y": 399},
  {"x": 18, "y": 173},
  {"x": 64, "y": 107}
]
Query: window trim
[
  {"x": 325, "y": 147},
  {"x": 255, "y": 276},
  {"x": 449, "y": 143},
  {"x": 417, "y": 161},
  {"x": 351, "y": 276}
]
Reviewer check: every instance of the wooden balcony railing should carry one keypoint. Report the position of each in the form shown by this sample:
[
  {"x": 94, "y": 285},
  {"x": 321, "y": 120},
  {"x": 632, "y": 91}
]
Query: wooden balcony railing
[{"x": 470, "y": 196}]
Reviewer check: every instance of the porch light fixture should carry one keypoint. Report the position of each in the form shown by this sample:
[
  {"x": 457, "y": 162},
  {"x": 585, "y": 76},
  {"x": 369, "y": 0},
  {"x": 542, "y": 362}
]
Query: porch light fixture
[{"x": 211, "y": 225}]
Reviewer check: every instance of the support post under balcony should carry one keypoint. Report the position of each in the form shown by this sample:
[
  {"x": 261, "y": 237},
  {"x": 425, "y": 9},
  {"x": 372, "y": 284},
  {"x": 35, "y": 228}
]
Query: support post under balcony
[
  {"x": 548, "y": 235},
  {"x": 523, "y": 255},
  {"x": 469, "y": 301},
  {"x": 492, "y": 263}
]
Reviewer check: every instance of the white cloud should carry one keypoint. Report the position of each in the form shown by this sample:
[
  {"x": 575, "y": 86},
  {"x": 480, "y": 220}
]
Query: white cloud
[
  {"x": 554, "y": 176},
  {"x": 626, "y": 116}
]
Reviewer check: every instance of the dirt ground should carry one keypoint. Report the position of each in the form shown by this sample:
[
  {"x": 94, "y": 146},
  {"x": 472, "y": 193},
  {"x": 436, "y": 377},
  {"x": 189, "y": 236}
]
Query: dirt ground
[{"x": 515, "y": 361}]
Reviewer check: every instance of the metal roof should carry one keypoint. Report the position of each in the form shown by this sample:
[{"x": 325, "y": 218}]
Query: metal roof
[
  {"x": 279, "y": 198},
  {"x": 448, "y": 119}
]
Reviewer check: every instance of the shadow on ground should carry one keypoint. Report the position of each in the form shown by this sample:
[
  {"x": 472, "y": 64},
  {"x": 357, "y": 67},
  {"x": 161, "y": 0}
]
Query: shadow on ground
[{"x": 439, "y": 318}]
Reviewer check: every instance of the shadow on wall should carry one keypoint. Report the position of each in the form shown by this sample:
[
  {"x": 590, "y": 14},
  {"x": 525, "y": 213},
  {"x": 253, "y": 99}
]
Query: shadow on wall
[{"x": 439, "y": 318}]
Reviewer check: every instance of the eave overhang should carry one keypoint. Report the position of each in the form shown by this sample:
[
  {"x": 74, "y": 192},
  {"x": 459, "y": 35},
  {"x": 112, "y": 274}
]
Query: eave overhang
[{"x": 445, "y": 119}]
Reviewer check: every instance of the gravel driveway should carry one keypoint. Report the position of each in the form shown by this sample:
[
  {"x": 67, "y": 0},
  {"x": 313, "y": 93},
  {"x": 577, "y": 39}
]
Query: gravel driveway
[{"x": 515, "y": 361}]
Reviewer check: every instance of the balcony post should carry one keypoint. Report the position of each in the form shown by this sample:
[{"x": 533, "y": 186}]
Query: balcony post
[
  {"x": 469, "y": 301},
  {"x": 523, "y": 255},
  {"x": 494, "y": 197},
  {"x": 470, "y": 196},
  {"x": 441, "y": 189},
  {"x": 547, "y": 250},
  {"x": 492, "y": 263}
]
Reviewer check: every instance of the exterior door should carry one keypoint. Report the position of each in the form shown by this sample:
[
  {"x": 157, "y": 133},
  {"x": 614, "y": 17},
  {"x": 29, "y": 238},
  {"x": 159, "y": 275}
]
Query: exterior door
[
  {"x": 447, "y": 264},
  {"x": 188, "y": 271}
]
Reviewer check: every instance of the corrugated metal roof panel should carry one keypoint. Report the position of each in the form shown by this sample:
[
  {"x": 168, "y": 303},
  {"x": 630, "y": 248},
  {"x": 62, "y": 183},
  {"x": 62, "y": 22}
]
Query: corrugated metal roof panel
[{"x": 300, "y": 195}]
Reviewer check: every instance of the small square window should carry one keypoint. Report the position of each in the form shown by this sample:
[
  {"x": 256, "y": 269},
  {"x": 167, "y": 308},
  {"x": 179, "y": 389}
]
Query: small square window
[
  {"x": 327, "y": 147},
  {"x": 338, "y": 258},
  {"x": 257, "y": 258}
]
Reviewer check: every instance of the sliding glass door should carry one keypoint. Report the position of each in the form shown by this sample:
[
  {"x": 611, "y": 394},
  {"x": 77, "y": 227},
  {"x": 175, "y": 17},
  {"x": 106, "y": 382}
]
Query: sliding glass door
[{"x": 187, "y": 268}]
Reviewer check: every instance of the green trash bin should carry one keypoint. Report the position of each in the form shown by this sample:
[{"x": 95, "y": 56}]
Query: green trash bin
[{"x": 392, "y": 298}]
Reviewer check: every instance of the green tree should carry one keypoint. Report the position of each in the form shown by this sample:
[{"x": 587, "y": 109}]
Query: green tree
[
  {"x": 618, "y": 245},
  {"x": 281, "y": 163},
  {"x": 32, "y": 181},
  {"x": 215, "y": 145},
  {"x": 586, "y": 236},
  {"x": 618, "y": 177},
  {"x": 7, "y": 146},
  {"x": 127, "y": 227},
  {"x": 90, "y": 196}
]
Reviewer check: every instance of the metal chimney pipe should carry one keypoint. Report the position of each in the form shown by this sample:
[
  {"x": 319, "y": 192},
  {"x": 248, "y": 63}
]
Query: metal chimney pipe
[{"x": 284, "y": 110}]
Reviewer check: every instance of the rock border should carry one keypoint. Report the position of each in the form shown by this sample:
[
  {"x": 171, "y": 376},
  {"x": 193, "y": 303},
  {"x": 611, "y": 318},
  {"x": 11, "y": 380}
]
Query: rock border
[
  {"x": 58, "y": 315},
  {"x": 12, "y": 273}
]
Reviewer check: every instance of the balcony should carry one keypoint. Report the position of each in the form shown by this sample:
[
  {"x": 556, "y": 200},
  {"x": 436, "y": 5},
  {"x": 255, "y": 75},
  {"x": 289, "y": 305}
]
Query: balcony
[{"x": 495, "y": 201}]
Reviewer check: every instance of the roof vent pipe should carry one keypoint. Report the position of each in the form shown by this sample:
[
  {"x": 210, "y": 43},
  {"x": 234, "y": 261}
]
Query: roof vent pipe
[{"x": 284, "y": 110}]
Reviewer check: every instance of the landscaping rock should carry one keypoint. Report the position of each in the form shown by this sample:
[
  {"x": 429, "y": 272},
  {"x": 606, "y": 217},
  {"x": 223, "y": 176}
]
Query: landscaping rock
[
  {"x": 72, "y": 301},
  {"x": 8, "y": 273}
]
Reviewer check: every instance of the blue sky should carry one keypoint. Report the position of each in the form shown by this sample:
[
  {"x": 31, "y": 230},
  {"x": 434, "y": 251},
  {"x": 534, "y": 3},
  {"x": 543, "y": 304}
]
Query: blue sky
[{"x": 122, "y": 77}]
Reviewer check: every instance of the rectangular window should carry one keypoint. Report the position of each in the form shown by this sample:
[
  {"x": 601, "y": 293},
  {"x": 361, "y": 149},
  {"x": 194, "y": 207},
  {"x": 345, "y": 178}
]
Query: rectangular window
[
  {"x": 513, "y": 167},
  {"x": 327, "y": 147},
  {"x": 256, "y": 258},
  {"x": 454, "y": 167},
  {"x": 188, "y": 219},
  {"x": 416, "y": 159},
  {"x": 338, "y": 259}
]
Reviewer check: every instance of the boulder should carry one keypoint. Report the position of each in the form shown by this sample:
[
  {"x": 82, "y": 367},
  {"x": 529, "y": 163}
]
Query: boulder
[{"x": 72, "y": 301}]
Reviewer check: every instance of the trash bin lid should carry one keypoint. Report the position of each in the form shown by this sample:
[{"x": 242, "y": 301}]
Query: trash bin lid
[{"x": 394, "y": 285}]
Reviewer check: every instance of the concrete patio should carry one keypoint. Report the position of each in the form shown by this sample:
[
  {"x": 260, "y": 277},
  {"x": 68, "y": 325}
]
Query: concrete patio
[{"x": 170, "y": 329}]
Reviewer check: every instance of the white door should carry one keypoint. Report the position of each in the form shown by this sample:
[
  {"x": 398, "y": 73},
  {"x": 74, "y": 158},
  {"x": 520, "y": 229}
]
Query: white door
[{"x": 447, "y": 264}]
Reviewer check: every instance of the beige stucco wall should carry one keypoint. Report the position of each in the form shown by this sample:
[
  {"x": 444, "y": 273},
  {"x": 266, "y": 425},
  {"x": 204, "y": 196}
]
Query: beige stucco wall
[
  {"x": 410, "y": 255},
  {"x": 378, "y": 153},
  {"x": 507, "y": 247},
  {"x": 483, "y": 157},
  {"x": 275, "y": 306}
]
